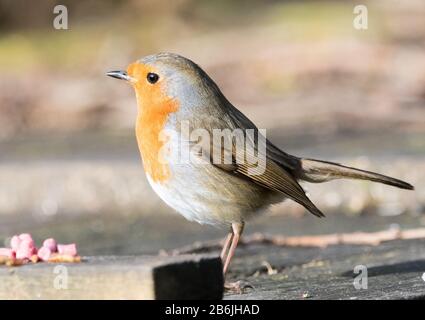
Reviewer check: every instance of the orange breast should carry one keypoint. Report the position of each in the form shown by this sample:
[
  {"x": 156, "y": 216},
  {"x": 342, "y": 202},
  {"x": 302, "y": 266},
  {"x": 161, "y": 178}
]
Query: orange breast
[{"x": 154, "y": 108}]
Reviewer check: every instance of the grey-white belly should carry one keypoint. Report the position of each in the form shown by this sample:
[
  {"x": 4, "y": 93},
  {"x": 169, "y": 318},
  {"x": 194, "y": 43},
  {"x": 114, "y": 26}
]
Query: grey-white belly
[
  {"x": 202, "y": 192},
  {"x": 209, "y": 195}
]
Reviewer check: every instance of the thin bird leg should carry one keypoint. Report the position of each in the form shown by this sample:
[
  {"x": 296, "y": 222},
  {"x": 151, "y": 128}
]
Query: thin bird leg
[
  {"x": 226, "y": 245},
  {"x": 237, "y": 232}
]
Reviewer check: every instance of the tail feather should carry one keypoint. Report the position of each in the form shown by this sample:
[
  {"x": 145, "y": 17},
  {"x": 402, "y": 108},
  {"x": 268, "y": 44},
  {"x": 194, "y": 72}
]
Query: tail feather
[{"x": 321, "y": 171}]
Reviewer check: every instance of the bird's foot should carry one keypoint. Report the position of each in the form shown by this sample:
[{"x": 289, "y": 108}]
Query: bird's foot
[{"x": 237, "y": 287}]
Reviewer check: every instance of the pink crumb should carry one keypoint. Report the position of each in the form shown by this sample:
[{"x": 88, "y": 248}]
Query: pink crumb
[
  {"x": 51, "y": 244},
  {"x": 24, "y": 253},
  {"x": 44, "y": 253},
  {"x": 7, "y": 252},
  {"x": 14, "y": 242},
  {"x": 26, "y": 249},
  {"x": 67, "y": 249},
  {"x": 27, "y": 243},
  {"x": 25, "y": 236}
]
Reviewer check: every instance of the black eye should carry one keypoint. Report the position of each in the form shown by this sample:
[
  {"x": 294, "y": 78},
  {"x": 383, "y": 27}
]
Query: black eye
[{"x": 152, "y": 77}]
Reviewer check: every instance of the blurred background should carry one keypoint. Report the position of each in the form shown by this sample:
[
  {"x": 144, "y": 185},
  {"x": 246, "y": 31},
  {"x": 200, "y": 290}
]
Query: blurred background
[{"x": 69, "y": 164}]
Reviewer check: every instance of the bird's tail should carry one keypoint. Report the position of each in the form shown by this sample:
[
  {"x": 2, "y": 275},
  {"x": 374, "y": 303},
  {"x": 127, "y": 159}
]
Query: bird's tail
[{"x": 321, "y": 171}]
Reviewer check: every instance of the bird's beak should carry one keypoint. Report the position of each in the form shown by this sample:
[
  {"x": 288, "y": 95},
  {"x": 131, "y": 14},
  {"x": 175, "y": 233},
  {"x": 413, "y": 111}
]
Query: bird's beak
[{"x": 122, "y": 75}]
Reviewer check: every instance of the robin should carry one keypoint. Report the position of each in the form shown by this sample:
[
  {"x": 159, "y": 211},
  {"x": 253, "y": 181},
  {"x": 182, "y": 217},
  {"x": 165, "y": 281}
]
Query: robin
[{"x": 174, "y": 94}]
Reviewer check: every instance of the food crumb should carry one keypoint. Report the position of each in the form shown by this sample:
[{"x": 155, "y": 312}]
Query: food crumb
[{"x": 23, "y": 250}]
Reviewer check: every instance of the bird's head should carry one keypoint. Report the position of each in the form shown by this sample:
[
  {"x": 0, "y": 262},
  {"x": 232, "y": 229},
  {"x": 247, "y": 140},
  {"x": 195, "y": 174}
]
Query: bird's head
[{"x": 165, "y": 78}]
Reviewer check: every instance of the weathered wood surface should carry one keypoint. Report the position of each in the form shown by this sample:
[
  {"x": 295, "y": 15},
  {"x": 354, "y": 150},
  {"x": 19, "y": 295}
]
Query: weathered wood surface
[
  {"x": 395, "y": 270},
  {"x": 144, "y": 277}
]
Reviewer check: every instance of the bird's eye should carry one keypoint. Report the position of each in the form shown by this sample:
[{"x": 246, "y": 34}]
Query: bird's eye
[{"x": 152, "y": 77}]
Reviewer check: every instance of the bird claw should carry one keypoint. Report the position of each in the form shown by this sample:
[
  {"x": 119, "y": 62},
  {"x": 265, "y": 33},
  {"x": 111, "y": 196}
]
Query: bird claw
[{"x": 238, "y": 287}]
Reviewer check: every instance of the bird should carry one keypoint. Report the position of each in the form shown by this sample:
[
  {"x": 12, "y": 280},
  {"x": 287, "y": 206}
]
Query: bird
[{"x": 212, "y": 180}]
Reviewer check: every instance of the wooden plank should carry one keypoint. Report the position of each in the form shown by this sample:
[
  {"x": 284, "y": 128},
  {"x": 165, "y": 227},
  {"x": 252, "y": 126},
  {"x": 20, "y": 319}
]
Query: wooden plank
[
  {"x": 142, "y": 277},
  {"x": 395, "y": 271}
]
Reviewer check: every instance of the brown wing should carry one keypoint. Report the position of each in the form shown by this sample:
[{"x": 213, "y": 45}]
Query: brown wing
[
  {"x": 275, "y": 173},
  {"x": 271, "y": 176}
]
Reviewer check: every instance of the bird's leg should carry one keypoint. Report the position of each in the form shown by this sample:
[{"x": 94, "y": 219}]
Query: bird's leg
[
  {"x": 226, "y": 245},
  {"x": 238, "y": 286},
  {"x": 237, "y": 228}
]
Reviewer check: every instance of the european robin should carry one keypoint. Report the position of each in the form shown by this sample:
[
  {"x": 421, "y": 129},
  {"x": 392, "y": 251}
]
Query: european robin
[{"x": 176, "y": 98}]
